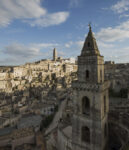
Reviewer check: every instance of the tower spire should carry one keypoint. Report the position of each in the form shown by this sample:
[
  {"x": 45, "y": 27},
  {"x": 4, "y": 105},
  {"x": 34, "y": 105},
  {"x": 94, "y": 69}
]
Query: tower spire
[
  {"x": 90, "y": 46},
  {"x": 89, "y": 26}
]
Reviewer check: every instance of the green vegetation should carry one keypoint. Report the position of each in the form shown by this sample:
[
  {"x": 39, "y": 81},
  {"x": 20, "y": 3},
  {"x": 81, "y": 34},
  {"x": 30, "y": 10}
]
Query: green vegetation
[
  {"x": 48, "y": 121},
  {"x": 56, "y": 108}
]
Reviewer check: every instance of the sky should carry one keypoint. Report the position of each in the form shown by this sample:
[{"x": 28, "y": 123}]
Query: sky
[{"x": 31, "y": 29}]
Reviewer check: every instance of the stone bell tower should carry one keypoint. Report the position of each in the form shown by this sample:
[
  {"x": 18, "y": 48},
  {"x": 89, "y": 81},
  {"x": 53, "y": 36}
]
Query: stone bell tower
[
  {"x": 54, "y": 54},
  {"x": 91, "y": 101}
]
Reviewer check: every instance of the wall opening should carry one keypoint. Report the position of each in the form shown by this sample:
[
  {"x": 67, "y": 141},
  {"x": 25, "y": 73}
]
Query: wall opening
[
  {"x": 85, "y": 134},
  {"x": 105, "y": 130},
  {"x": 85, "y": 105},
  {"x": 87, "y": 74},
  {"x": 104, "y": 104},
  {"x": 100, "y": 75},
  {"x": 88, "y": 44}
]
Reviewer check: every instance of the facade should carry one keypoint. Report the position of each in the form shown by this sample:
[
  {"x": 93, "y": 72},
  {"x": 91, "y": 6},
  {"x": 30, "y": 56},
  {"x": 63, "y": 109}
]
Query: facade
[
  {"x": 91, "y": 101},
  {"x": 64, "y": 138},
  {"x": 19, "y": 71}
]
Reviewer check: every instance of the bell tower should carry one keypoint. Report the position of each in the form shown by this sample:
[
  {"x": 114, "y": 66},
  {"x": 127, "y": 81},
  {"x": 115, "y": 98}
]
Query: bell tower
[
  {"x": 54, "y": 54},
  {"x": 91, "y": 101}
]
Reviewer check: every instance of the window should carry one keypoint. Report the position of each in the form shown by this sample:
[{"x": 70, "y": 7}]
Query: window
[
  {"x": 64, "y": 68},
  {"x": 104, "y": 104},
  {"x": 105, "y": 130},
  {"x": 87, "y": 74},
  {"x": 88, "y": 44},
  {"x": 68, "y": 116},
  {"x": 85, "y": 106},
  {"x": 85, "y": 134},
  {"x": 100, "y": 75}
]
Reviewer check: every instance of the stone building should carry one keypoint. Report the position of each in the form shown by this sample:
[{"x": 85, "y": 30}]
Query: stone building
[
  {"x": 54, "y": 55},
  {"x": 91, "y": 101},
  {"x": 19, "y": 71}
]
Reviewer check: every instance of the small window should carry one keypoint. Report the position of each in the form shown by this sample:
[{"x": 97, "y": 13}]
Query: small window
[
  {"x": 104, "y": 104},
  {"x": 85, "y": 134},
  {"x": 88, "y": 44},
  {"x": 105, "y": 130},
  {"x": 85, "y": 106},
  {"x": 100, "y": 75},
  {"x": 87, "y": 74}
]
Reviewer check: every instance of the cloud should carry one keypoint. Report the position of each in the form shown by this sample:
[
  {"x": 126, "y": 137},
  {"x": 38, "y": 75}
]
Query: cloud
[
  {"x": 80, "y": 44},
  {"x": 17, "y": 53},
  {"x": 13, "y": 9},
  {"x": 103, "y": 45},
  {"x": 117, "y": 54},
  {"x": 45, "y": 45},
  {"x": 29, "y": 11},
  {"x": 20, "y": 50},
  {"x": 124, "y": 16},
  {"x": 118, "y": 33},
  {"x": 69, "y": 44},
  {"x": 110, "y": 51},
  {"x": 50, "y": 19},
  {"x": 82, "y": 26},
  {"x": 74, "y": 3},
  {"x": 61, "y": 53},
  {"x": 111, "y": 42},
  {"x": 77, "y": 44},
  {"x": 121, "y": 6},
  {"x": 107, "y": 44}
]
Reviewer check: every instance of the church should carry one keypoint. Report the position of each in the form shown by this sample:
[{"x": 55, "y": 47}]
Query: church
[{"x": 89, "y": 125}]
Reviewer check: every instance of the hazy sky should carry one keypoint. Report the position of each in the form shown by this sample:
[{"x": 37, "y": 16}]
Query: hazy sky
[{"x": 30, "y": 29}]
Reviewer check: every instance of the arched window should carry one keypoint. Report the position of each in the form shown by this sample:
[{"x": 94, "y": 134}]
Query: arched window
[
  {"x": 85, "y": 134},
  {"x": 85, "y": 106},
  {"x": 104, "y": 104},
  {"x": 105, "y": 130},
  {"x": 87, "y": 74},
  {"x": 100, "y": 75},
  {"x": 88, "y": 44}
]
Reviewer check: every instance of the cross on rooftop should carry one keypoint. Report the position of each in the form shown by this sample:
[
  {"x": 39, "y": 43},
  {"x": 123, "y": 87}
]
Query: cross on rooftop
[{"x": 89, "y": 25}]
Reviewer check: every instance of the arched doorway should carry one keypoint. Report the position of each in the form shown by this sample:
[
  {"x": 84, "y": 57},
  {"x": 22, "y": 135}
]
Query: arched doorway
[
  {"x": 85, "y": 106},
  {"x": 85, "y": 134}
]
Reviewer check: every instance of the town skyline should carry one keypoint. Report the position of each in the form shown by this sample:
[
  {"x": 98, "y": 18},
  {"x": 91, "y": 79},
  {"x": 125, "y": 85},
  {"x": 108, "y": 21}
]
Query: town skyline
[{"x": 59, "y": 104}]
